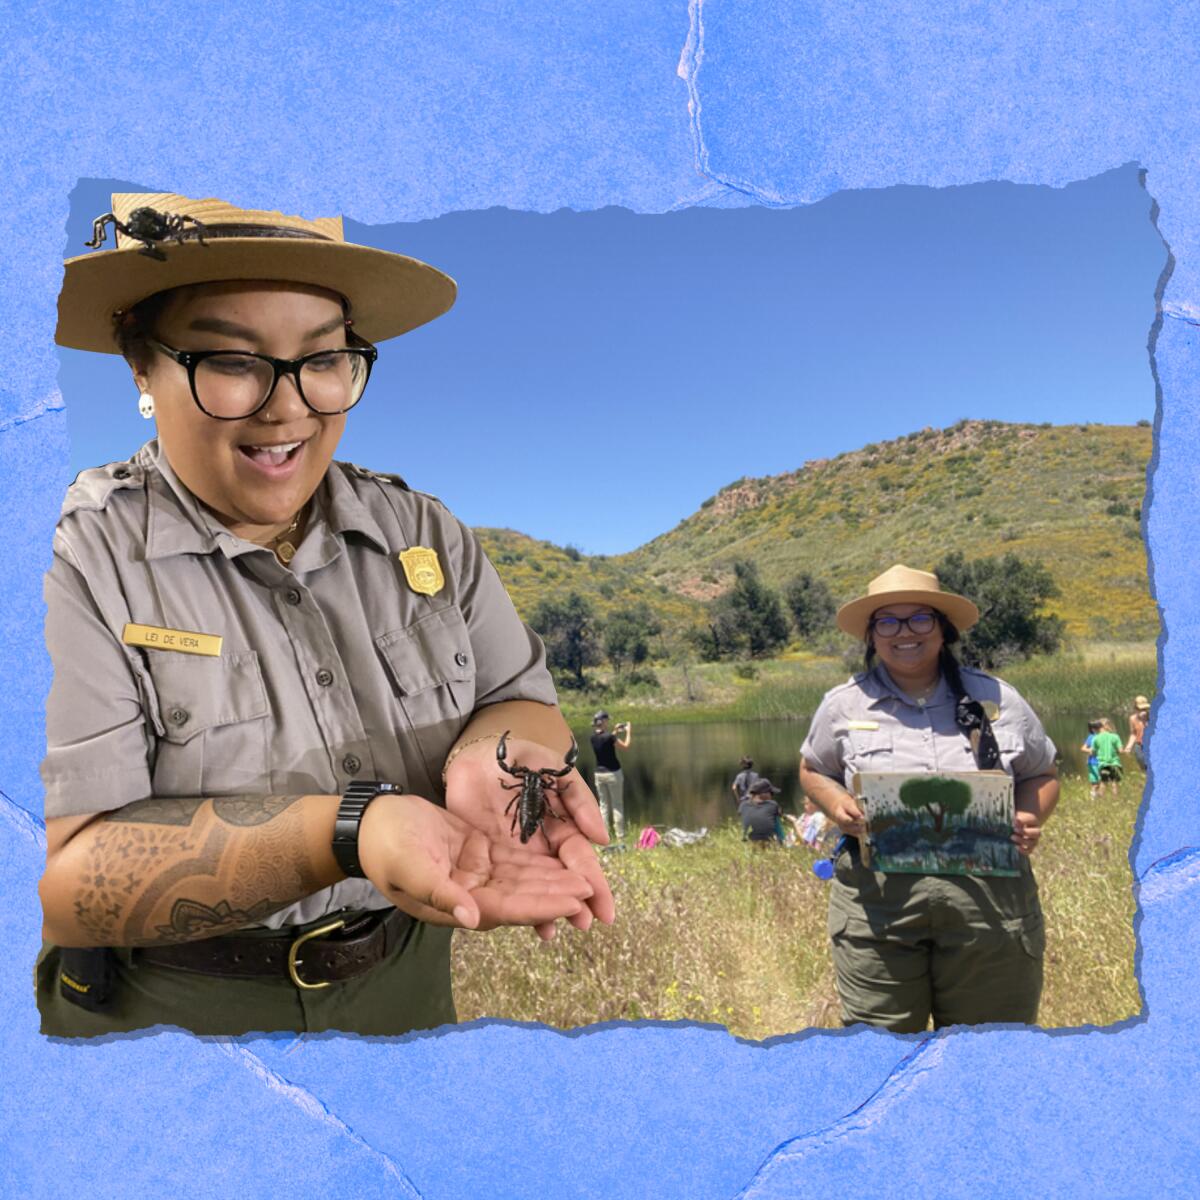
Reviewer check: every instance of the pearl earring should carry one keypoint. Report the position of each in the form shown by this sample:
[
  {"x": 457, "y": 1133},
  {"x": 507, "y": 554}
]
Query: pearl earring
[{"x": 146, "y": 405}]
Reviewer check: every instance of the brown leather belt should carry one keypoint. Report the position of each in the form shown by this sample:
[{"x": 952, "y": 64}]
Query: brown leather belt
[{"x": 312, "y": 957}]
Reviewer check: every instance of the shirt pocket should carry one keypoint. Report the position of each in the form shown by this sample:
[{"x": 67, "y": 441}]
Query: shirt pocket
[
  {"x": 432, "y": 671},
  {"x": 868, "y": 750},
  {"x": 213, "y": 714}
]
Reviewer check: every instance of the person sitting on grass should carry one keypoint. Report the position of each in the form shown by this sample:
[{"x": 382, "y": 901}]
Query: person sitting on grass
[
  {"x": 813, "y": 824},
  {"x": 760, "y": 814},
  {"x": 1107, "y": 746},
  {"x": 1093, "y": 763}
]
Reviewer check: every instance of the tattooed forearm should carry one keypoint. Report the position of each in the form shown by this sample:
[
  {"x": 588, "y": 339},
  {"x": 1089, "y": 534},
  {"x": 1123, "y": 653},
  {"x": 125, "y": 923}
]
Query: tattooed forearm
[
  {"x": 190, "y": 919},
  {"x": 251, "y": 810},
  {"x": 120, "y": 857},
  {"x": 177, "y": 875},
  {"x": 233, "y": 810},
  {"x": 194, "y": 860},
  {"x": 269, "y": 866}
]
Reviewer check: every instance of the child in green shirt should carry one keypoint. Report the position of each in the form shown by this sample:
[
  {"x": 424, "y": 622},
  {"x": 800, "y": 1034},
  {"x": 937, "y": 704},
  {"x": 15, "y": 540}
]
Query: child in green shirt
[{"x": 1106, "y": 746}]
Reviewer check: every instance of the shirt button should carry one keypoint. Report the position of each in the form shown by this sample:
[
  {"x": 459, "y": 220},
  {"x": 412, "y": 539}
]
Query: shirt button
[
  {"x": 178, "y": 716},
  {"x": 292, "y": 596},
  {"x": 351, "y": 764},
  {"x": 461, "y": 659},
  {"x": 324, "y": 677}
]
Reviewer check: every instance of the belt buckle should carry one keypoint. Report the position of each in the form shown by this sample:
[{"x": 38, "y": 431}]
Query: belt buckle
[{"x": 293, "y": 962}]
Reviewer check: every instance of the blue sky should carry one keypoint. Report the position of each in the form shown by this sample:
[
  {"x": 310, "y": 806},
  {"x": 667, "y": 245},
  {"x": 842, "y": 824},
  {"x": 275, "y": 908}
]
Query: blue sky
[{"x": 602, "y": 373}]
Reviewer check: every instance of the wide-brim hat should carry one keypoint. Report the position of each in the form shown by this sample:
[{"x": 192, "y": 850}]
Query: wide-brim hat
[
  {"x": 904, "y": 585},
  {"x": 209, "y": 241}
]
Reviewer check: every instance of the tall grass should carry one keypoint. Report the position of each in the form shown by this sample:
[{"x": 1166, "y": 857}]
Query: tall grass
[
  {"x": 1090, "y": 681},
  {"x": 770, "y": 688},
  {"x": 1091, "y": 678},
  {"x": 1086, "y": 887},
  {"x": 723, "y": 933}
]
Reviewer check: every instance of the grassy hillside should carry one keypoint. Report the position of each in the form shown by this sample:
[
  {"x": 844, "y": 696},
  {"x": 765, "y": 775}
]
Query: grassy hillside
[
  {"x": 1070, "y": 496},
  {"x": 533, "y": 570}
]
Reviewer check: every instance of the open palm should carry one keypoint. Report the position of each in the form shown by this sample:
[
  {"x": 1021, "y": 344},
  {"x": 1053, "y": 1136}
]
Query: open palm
[
  {"x": 439, "y": 868},
  {"x": 476, "y": 792}
]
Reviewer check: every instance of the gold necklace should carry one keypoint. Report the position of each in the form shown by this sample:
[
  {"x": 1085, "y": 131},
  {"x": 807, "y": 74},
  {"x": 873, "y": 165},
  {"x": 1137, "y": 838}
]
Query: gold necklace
[{"x": 281, "y": 543}]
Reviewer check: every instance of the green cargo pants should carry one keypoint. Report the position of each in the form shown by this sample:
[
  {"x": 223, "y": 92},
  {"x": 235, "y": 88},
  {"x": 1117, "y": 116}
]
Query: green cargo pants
[
  {"x": 410, "y": 989},
  {"x": 960, "y": 949}
]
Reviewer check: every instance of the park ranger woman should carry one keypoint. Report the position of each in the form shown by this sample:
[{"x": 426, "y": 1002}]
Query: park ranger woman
[
  {"x": 279, "y": 680},
  {"x": 910, "y": 948}
]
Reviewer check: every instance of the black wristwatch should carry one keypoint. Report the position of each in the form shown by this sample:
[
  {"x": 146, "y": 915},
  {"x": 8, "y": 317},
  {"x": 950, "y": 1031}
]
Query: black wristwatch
[{"x": 354, "y": 803}]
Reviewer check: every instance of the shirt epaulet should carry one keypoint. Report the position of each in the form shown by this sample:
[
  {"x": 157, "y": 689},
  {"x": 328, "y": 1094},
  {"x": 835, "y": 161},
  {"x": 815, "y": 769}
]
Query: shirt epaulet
[
  {"x": 978, "y": 674},
  {"x": 378, "y": 476},
  {"x": 95, "y": 487},
  {"x": 855, "y": 682}
]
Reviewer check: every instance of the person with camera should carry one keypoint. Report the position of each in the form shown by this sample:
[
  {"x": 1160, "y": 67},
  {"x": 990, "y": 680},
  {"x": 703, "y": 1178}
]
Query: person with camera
[{"x": 609, "y": 778}]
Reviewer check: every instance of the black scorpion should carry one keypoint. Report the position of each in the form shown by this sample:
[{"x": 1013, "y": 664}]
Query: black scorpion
[
  {"x": 146, "y": 225},
  {"x": 531, "y": 802}
]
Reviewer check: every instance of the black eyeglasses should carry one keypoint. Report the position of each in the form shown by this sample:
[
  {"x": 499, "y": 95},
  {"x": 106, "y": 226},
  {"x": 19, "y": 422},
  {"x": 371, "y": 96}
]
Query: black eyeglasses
[
  {"x": 230, "y": 385},
  {"x": 888, "y": 627}
]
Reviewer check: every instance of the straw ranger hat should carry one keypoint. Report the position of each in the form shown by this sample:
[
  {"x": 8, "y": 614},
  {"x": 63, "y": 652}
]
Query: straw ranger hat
[
  {"x": 903, "y": 585},
  {"x": 166, "y": 241},
  {"x": 1141, "y": 704}
]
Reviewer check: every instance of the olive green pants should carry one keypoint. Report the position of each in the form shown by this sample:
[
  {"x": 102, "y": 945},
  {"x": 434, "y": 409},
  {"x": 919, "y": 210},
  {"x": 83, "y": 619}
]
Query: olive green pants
[
  {"x": 610, "y": 792},
  {"x": 410, "y": 989},
  {"x": 957, "y": 949}
]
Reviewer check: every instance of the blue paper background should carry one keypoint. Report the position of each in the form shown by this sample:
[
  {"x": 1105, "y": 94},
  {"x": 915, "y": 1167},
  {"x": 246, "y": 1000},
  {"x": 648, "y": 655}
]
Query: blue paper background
[{"x": 401, "y": 111}]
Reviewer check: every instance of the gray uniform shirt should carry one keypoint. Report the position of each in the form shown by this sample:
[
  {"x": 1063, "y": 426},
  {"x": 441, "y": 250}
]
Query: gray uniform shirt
[
  {"x": 330, "y": 669},
  {"x": 869, "y": 724}
]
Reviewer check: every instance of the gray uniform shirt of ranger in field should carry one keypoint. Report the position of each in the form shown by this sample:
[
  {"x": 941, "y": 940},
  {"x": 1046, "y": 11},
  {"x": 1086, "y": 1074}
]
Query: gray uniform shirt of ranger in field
[
  {"x": 909, "y": 947},
  {"x": 871, "y": 725},
  {"x": 316, "y": 658}
]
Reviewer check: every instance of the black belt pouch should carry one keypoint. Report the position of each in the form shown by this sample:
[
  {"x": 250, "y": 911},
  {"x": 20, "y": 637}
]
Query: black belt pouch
[{"x": 87, "y": 976}]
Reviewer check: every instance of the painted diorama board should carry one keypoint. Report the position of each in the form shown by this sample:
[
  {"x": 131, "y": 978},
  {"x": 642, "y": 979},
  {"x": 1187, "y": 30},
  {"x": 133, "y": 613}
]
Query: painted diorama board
[{"x": 954, "y": 823}]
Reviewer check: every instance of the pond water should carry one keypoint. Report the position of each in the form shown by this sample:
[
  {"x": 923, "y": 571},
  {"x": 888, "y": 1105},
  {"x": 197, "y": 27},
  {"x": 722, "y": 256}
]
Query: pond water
[{"x": 681, "y": 774}]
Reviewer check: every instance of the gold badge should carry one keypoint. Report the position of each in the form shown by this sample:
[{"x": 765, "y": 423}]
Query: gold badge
[
  {"x": 183, "y": 640},
  {"x": 422, "y": 570},
  {"x": 991, "y": 710}
]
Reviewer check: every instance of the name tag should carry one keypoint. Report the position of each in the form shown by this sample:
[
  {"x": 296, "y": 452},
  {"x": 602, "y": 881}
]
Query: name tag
[
  {"x": 183, "y": 640},
  {"x": 863, "y": 724}
]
